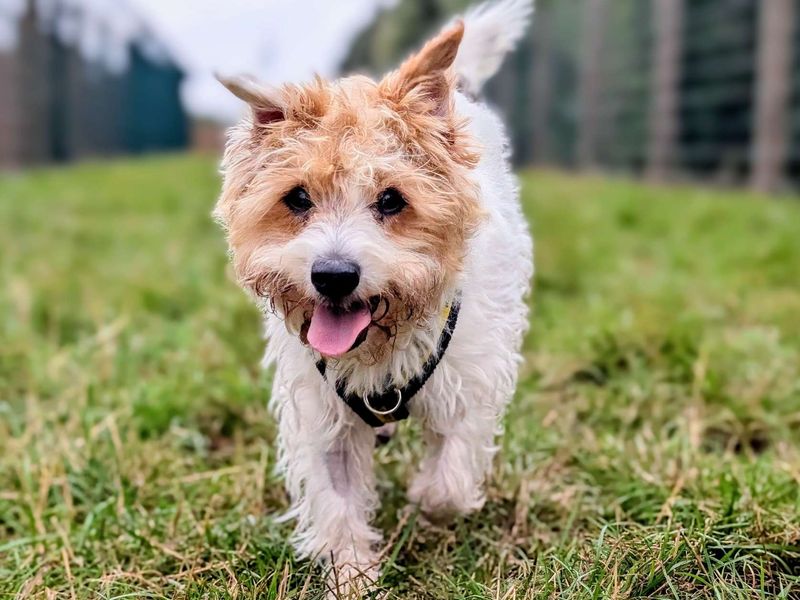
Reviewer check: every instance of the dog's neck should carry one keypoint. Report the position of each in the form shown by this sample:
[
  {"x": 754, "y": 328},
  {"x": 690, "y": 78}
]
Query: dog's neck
[{"x": 404, "y": 358}]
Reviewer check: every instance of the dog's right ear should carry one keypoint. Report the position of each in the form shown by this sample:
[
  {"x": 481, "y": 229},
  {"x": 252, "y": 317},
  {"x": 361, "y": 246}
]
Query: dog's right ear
[
  {"x": 426, "y": 74},
  {"x": 267, "y": 103}
]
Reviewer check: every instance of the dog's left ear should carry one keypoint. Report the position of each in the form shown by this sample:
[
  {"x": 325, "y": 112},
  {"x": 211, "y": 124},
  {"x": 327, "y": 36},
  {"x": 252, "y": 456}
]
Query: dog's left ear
[{"x": 426, "y": 75}]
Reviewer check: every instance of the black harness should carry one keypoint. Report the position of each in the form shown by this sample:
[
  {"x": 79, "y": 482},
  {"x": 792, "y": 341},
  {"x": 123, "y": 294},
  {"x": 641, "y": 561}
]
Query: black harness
[{"x": 391, "y": 404}]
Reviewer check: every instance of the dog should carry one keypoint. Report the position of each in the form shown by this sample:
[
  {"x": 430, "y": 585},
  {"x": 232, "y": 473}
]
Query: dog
[{"x": 378, "y": 225}]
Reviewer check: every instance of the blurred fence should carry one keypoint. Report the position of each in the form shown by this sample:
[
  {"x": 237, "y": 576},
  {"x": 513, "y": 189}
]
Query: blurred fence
[
  {"x": 78, "y": 80},
  {"x": 670, "y": 89}
]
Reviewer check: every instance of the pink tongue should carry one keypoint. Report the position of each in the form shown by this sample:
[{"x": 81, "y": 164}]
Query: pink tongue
[{"x": 334, "y": 333}]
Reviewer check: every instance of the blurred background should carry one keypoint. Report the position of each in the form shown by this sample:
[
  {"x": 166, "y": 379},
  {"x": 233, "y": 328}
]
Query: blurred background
[
  {"x": 667, "y": 89},
  {"x": 657, "y": 417}
]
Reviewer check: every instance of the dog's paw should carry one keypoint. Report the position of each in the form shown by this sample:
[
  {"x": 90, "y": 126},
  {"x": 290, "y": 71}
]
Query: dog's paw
[
  {"x": 440, "y": 501},
  {"x": 352, "y": 582}
]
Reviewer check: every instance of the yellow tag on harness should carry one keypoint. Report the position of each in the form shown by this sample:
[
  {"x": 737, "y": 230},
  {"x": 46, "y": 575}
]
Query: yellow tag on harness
[{"x": 445, "y": 314}]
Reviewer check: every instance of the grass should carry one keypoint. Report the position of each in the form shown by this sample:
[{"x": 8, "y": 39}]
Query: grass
[{"x": 653, "y": 449}]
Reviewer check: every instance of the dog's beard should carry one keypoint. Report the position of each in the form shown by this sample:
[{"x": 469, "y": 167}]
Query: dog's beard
[
  {"x": 277, "y": 295},
  {"x": 393, "y": 315}
]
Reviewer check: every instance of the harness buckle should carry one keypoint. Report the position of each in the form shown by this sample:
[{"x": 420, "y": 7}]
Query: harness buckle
[{"x": 383, "y": 413}]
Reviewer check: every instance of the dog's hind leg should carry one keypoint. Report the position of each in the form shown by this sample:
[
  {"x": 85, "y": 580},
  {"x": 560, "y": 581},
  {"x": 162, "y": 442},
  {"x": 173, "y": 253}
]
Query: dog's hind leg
[{"x": 385, "y": 433}]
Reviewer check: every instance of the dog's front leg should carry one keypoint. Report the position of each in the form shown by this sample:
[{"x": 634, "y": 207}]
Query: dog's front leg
[{"x": 331, "y": 481}]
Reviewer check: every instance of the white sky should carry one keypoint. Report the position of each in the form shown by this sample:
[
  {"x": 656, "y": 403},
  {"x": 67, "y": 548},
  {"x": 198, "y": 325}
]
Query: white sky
[{"x": 275, "y": 40}]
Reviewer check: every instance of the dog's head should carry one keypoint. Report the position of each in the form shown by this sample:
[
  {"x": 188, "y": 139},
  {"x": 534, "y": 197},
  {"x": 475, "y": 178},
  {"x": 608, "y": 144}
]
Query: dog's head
[{"x": 349, "y": 205}]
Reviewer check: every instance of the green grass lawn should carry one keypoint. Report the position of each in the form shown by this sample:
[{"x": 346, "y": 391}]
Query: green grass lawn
[{"x": 653, "y": 449}]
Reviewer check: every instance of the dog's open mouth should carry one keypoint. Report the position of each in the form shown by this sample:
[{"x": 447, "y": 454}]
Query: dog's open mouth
[{"x": 335, "y": 330}]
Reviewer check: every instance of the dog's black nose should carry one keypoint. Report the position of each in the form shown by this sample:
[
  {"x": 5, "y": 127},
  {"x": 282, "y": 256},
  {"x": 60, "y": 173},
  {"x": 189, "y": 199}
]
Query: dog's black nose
[{"x": 335, "y": 278}]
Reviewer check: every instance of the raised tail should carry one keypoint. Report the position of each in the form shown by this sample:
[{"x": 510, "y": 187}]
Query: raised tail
[{"x": 491, "y": 30}]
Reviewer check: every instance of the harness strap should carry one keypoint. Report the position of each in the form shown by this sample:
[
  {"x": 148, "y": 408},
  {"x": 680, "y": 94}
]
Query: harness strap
[{"x": 391, "y": 404}]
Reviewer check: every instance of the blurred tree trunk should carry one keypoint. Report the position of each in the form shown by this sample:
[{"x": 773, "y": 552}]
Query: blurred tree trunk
[
  {"x": 773, "y": 89},
  {"x": 9, "y": 109},
  {"x": 34, "y": 89},
  {"x": 541, "y": 85},
  {"x": 430, "y": 11},
  {"x": 665, "y": 88},
  {"x": 589, "y": 87}
]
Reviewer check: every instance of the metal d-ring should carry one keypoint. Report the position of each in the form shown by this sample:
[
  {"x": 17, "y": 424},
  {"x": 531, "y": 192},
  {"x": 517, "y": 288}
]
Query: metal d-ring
[{"x": 383, "y": 413}]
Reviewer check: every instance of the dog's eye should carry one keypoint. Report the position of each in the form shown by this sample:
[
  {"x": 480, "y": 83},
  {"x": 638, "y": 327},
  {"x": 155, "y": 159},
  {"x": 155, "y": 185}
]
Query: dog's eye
[
  {"x": 298, "y": 201},
  {"x": 390, "y": 202}
]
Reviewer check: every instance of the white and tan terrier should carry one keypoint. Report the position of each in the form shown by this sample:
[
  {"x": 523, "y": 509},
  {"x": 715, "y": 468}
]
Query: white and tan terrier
[{"x": 379, "y": 226}]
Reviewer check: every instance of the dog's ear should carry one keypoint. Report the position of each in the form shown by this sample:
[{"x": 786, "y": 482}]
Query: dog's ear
[
  {"x": 426, "y": 75},
  {"x": 267, "y": 103}
]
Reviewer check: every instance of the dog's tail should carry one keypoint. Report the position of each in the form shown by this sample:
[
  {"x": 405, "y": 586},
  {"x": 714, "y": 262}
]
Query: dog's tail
[{"x": 491, "y": 30}]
